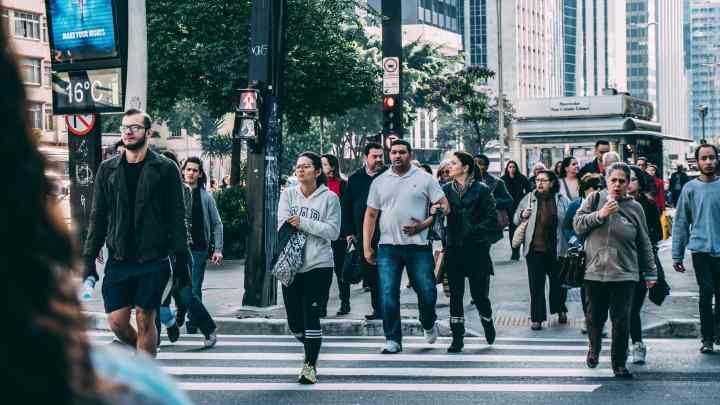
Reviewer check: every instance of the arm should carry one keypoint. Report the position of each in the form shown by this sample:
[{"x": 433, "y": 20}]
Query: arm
[
  {"x": 646, "y": 260},
  {"x": 371, "y": 216},
  {"x": 503, "y": 199},
  {"x": 217, "y": 225},
  {"x": 524, "y": 204},
  {"x": 587, "y": 218},
  {"x": 329, "y": 228},
  {"x": 283, "y": 208},
  {"x": 681, "y": 227},
  {"x": 653, "y": 224},
  {"x": 489, "y": 221},
  {"x": 175, "y": 213},
  {"x": 97, "y": 224}
]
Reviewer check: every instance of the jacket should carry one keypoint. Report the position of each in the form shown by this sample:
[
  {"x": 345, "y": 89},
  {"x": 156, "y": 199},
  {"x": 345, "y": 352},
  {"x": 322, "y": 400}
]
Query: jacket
[
  {"x": 678, "y": 178},
  {"x": 503, "y": 199},
  {"x": 617, "y": 248},
  {"x": 354, "y": 204},
  {"x": 697, "y": 220},
  {"x": 159, "y": 220},
  {"x": 213, "y": 226},
  {"x": 590, "y": 167},
  {"x": 319, "y": 219},
  {"x": 517, "y": 186},
  {"x": 473, "y": 218},
  {"x": 531, "y": 200},
  {"x": 567, "y": 224}
]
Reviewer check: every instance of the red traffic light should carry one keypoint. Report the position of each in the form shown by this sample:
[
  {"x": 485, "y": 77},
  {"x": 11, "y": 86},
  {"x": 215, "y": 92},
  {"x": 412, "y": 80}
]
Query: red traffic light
[{"x": 389, "y": 103}]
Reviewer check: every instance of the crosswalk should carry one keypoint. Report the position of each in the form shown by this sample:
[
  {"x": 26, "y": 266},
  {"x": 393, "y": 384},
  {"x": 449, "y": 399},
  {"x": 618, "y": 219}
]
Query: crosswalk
[{"x": 353, "y": 363}]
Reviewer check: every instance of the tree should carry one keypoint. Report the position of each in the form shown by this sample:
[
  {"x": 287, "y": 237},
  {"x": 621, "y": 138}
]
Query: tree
[{"x": 465, "y": 91}]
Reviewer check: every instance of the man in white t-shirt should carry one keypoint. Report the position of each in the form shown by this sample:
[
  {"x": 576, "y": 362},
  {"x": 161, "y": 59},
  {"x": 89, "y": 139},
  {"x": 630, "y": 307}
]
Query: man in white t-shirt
[{"x": 403, "y": 194}]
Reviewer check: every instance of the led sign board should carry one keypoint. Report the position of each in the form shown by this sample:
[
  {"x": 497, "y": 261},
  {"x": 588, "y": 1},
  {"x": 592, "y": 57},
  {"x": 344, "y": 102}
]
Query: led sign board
[{"x": 82, "y": 30}]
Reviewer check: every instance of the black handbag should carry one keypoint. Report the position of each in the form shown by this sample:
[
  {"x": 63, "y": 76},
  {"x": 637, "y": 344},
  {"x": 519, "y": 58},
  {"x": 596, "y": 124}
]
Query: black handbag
[
  {"x": 352, "y": 271},
  {"x": 572, "y": 268},
  {"x": 661, "y": 290}
]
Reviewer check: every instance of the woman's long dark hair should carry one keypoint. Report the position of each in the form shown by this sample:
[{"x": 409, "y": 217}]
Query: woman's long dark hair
[
  {"x": 317, "y": 164},
  {"x": 517, "y": 171},
  {"x": 334, "y": 164},
  {"x": 554, "y": 180},
  {"x": 44, "y": 350},
  {"x": 564, "y": 165}
]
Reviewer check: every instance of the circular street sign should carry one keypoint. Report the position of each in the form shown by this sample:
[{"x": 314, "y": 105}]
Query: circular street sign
[
  {"x": 390, "y": 65},
  {"x": 80, "y": 125}
]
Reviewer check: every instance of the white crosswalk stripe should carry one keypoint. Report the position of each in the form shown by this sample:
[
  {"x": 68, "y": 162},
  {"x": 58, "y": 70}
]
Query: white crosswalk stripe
[{"x": 353, "y": 363}]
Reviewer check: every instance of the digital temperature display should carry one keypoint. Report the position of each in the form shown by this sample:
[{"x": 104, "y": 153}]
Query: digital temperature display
[{"x": 93, "y": 91}]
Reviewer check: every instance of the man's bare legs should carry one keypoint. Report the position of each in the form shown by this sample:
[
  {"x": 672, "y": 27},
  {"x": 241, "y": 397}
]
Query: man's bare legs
[
  {"x": 119, "y": 321},
  {"x": 147, "y": 332}
]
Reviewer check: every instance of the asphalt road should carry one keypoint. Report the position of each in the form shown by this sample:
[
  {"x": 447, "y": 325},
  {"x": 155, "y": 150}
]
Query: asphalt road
[{"x": 536, "y": 369}]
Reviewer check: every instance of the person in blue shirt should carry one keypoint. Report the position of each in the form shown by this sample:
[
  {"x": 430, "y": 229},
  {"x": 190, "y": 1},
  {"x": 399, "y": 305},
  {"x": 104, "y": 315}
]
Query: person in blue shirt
[{"x": 697, "y": 228}]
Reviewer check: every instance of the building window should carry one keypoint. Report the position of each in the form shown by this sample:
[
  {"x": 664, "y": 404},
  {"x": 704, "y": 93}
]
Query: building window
[
  {"x": 31, "y": 70},
  {"x": 44, "y": 30},
  {"x": 49, "y": 120},
  {"x": 47, "y": 73},
  {"x": 35, "y": 113},
  {"x": 27, "y": 25}
]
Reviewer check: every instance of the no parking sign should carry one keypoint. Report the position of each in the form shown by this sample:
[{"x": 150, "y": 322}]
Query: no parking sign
[{"x": 80, "y": 125}]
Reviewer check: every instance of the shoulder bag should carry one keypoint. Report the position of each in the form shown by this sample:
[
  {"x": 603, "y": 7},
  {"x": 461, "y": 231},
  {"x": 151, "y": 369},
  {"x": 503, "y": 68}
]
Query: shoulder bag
[
  {"x": 572, "y": 266},
  {"x": 352, "y": 271},
  {"x": 521, "y": 230}
]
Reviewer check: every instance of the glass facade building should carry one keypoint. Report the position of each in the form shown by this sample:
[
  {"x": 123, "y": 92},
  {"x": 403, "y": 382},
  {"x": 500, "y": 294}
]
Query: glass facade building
[
  {"x": 704, "y": 33},
  {"x": 570, "y": 29}
]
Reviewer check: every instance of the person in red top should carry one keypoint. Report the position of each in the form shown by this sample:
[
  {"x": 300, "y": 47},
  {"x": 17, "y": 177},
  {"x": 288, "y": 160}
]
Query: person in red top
[
  {"x": 659, "y": 195},
  {"x": 337, "y": 184}
]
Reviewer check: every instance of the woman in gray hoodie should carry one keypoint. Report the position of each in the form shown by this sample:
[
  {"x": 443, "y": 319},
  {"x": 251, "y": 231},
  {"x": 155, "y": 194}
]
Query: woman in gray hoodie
[
  {"x": 618, "y": 251},
  {"x": 311, "y": 208}
]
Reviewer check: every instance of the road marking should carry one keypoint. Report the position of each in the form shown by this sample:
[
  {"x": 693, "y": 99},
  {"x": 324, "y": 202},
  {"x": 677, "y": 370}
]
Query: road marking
[
  {"x": 487, "y": 358},
  {"x": 214, "y": 386},
  {"x": 396, "y": 371}
]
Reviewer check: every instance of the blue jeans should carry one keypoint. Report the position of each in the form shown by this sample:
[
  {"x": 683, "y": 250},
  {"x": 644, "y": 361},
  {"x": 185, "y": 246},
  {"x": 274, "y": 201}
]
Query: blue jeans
[
  {"x": 420, "y": 264},
  {"x": 197, "y": 276}
]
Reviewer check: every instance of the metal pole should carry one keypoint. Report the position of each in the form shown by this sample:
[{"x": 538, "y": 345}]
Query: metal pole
[{"x": 500, "y": 99}]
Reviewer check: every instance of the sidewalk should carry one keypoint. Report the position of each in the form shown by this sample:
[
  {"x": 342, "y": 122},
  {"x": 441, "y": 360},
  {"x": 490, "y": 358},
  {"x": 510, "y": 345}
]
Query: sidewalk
[{"x": 223, "y": 291}]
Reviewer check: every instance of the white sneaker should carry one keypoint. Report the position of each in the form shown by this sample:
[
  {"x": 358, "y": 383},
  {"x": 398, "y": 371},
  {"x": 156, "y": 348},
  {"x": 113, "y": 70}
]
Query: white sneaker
[
  {"x": 210, "y": 340},
  {"x": 391, "y": 347},
  {"x": 639, "y": 351},
  {"x": 431, "y": 334}
]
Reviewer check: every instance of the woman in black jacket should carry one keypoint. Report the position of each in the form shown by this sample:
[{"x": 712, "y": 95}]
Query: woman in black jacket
[
  {"x": 518, "y": 185},
  {"x": 639, "y": 187},
  {"x": 471, "y": 229}
]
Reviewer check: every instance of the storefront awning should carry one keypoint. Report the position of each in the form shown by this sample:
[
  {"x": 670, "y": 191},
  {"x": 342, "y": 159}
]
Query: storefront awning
[{"x": 590, "y": 127}]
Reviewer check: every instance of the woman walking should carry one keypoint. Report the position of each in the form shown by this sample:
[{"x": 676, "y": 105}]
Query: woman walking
[
  {"x": 638, "y": 189},
  {"x": 544, "y": 242},
  {"x": 472, "y": 229},
  {"x": 518, "y": 186},
  {"x": 338, "y": 185},
  {"x": 569, "y": 182},
  {"x": 311, "y": 208},
  {"x": 618, "y": 251}
]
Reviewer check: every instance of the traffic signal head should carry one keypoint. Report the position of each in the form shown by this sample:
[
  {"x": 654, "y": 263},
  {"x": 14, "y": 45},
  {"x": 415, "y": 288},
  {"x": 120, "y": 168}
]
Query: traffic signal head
[{"x": 391, "y": 115}]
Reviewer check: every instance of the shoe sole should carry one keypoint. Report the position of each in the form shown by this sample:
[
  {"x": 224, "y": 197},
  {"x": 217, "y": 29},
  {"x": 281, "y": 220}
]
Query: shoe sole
[{"x": 305, "y": 381}]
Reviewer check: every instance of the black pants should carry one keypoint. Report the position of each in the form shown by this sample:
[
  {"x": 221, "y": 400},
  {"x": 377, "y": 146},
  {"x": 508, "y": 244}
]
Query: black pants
[
  {"x": 540, "y": 266},
  {"x": 371, "y": 277},
  {"x": 475, "y": 264},
  {"x": 339, "y": 248},
  {"x": 707, "y": 274},
  {"x": 639, "y": 293},
  {"x": 303, "y": 300},
  {"x": 616, "y": 297}
]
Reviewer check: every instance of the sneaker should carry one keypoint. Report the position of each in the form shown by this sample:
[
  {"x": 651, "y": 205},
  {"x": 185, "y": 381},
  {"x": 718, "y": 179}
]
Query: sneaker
[
  {"x": 622, "y": 372},
  {"x": 562, "y": 318},
  {"x": 431, "y": 334},
  {"x": 308, "y": 374},
  {"x": 391, "y": 347},
  {"x": 210, "y": 340},
  {"x": 536, "y": 325},
  {"x": 344, "y": 308},
  {"x": 173, "y": 333},
  {"x": 180, "y": 318},
  {"x": 592, "y": 359},
  {"x": 639, "y": 351},
  {"x": 373, "y": 316},
  {"x": 706, "y": 348}
]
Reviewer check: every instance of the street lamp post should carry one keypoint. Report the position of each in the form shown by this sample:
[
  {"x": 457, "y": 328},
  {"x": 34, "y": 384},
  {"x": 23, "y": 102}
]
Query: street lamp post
[
  {"x": 702, "y": 109},
  {"x": 500, "y": 99}
]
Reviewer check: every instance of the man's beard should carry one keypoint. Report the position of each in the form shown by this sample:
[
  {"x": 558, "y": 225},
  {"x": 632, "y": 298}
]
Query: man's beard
[{"x": 137, "y": 145}]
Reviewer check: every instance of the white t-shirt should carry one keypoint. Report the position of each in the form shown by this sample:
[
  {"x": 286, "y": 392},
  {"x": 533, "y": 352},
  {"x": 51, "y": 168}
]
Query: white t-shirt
[{"x": 401, "y": 198}]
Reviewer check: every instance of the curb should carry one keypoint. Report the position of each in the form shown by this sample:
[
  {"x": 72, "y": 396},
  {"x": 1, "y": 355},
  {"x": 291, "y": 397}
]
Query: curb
[{"x": 674, "y": 328}]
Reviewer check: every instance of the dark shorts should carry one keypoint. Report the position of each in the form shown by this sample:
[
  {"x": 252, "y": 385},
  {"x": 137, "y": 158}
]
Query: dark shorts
[{"x": 139, "y": 289}]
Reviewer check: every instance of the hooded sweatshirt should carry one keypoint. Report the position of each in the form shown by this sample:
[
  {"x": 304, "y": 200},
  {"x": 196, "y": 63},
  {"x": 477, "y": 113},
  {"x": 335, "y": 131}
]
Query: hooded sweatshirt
[{"x": 319, "y": 219}]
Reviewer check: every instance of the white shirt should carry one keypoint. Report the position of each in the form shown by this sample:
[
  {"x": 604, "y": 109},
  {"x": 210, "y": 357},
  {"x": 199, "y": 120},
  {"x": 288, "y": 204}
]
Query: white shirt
[{"x": 400, "y": 199}]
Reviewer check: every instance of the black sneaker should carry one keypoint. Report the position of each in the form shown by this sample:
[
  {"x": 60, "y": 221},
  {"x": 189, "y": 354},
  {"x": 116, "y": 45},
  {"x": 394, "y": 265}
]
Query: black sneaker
[
  {"x": 344, "y": 308},
  {"x": 489, "y": 328},
  {"x": 707, "y": 348},
  {"x": 373, "y": 316},
  {"x": 173, "y": 333},
  {"x": 622, "y": 372}
]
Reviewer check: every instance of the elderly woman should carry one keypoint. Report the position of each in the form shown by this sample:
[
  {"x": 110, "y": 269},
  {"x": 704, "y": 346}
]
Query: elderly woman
[
  {"x": 537, "y": 168},
  {"x": 618, "y": 251},
  {"x": 544, "y": 209}
]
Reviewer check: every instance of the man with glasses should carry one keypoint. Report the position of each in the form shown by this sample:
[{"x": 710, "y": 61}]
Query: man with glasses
[{"x": 138, "y": 211}]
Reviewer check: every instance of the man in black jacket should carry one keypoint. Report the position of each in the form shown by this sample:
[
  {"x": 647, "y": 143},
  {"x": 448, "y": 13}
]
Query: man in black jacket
[
  {"x": 677, "y": 182},
  {"x": 596, "y": 165},
  {"x": 138, "y": 211},
  {"x": 503, "y": 199},
  {"x": 353, "y": 213}
]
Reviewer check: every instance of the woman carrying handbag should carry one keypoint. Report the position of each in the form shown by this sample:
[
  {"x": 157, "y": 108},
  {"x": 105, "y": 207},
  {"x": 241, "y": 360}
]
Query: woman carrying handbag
[{"x": 314, "y": 211}]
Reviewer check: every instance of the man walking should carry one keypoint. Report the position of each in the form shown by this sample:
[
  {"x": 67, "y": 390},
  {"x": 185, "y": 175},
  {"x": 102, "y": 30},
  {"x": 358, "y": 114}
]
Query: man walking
[
  {"x": 678, "y": 180},
  {"x": 206, "y": 231},
  {"x": 353, "y": 211},
  {"x": 403, "y": 194},
  {"x": 697, "y": 227},
  {"x": 596, "y": 165},
  {"x": 503, "y": 199},
  {"x": 138, "y": 212}
]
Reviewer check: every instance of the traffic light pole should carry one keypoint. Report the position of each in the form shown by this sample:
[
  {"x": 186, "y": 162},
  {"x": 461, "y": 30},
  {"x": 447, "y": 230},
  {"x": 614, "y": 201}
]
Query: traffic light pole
[
  {"x": 266, "y": 63},
  {"x": 392, "y": 68}
]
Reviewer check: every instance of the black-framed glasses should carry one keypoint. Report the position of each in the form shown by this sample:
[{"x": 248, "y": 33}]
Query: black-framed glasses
[{"x": 133, "y": 128}]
